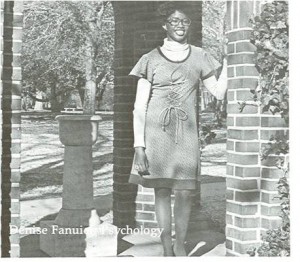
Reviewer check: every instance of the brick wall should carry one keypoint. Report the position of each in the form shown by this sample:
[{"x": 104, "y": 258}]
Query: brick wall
[
  {"x": 251, "y": 183},
  {"x": 10, "y": 85},
  {"x": 138, "y": 30}
]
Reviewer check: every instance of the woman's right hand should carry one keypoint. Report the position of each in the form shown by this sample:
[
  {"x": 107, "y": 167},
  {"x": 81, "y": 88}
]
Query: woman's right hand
[{"x": 141, "y": 161}]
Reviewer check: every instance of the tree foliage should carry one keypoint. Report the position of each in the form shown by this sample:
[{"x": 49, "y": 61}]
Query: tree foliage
[
  {"x": 270, "y": 36},
  {"x": 213, "y": 29},
  {"x": 54, "y": 45}
]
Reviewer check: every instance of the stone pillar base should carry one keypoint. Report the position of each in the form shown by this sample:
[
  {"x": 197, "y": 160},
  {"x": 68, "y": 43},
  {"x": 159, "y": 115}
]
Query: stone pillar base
[
  {"x": 73, "y": 218},
  {"x": 56, "y": 244}
]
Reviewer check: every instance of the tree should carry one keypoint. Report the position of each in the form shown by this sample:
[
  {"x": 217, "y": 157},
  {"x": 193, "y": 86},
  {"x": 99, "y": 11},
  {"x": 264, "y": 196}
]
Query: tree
[{"x": 67, "y": 46}]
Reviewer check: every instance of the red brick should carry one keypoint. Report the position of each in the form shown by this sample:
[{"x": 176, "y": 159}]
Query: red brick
[
  {"x": 271, "y": 172},
  {"x": 230, "y": 145},
  {"x": 15, "y": 74},
  {"x": 123, "y": 107},
  {"x": 239, "y": 35},
  {"x": 270, "y": 210},
  {"x": 145, "y": 216},
  {"x": 14, "y": 104},
  {"x": 243, "y": 248},
  {"x": 266, "y": 134},
  {"x": 122, "y": 143},
  {"x": 244, "y": 95},
  {"x": 246, "y": 71},
  {"x": 269, "y": 185},
  {"x": 230, "y": 72},
  {"x": 231, "y": 95},
  {"x": 123, "y": 133},
  {"x": 271, "y": 223},
  {"x": 230, "y": 121},
  {"x": 124, "y": 197},
  {"x": 248, "y": 121},
  {"x": 250, "y": 83},
  {"x": 235, "y": 15},
  {"x": 12, "y": 88},
  {"x": 15, "y": 221},
  {"x": 123, "y": 125},
  {"x": 145, "y": 198},
  {"x": 14, "y": 239},
  {"x": 245, "y": 13},
  {"x": 122, "y": 161},
  {"x": 242, "y": 134},
  {"x": 15, "y": 193},
  {"x": 229, "y": 219},
  {"x": 149, "y": 207},
  {"x": 15, "y": 251},
  {"x": 236, "y": 109},
  {"x": 15, "y": 176},
  {"x": 229, "y": 194},
  {"x": 124, "y": 206},
  {"x": 123, "y": 117},
  {"x": 247, "y": 196},
  {"x": 271, "y": 160},
  {"x": 121, "y": 171},
  {"x": 147, "y": 189},
  {"x": 15, "y": 163},
  {"x": 247, "y": 171},
  {"x": 242, "y": 159},
  {"x": 124, "y": 152},
  {"x": 16, "y": 60},
  {"x": 273, "y": 122},
  {"x": 247, "y": 147},
  {"x": 124, "y": 187},
  {"x": 15, "y": 208},
  {"x": 124, "y": 98},
  {"x": 15, "y": 148},
  {"x": 230, "y": 48},
  {"x": 270, "y": 198},
  {"x": 234, "y": 59},
  {"x": 228, "y": 244},
  {"x": 229, "y": 170},
  {"x": 245, "y": 47},
  {"x": 241, "y": 184},
  {"x": 241, "y": 235},
  {"x": 245, "y": 222},
  {"x": 150, "y": 224}
]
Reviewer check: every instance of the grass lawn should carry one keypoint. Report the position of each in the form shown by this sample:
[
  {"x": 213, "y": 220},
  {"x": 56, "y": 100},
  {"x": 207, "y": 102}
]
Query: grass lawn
[{"x": 42, "y": 157}]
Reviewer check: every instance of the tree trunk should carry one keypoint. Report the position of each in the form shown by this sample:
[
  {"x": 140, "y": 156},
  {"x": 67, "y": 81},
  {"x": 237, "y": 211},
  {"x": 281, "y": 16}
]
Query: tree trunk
[
  {"x": 55, "y": 106},
  {"x": 90, "y": 85}
]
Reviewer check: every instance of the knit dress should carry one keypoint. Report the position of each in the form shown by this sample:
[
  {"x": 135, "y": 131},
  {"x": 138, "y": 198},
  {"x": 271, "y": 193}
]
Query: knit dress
[{"x": 171, "y": 129}]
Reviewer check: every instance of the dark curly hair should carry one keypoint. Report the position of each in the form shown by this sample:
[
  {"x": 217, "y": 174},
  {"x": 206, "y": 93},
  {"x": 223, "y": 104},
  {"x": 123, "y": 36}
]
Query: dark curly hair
[{"x": 169, "y": 7}]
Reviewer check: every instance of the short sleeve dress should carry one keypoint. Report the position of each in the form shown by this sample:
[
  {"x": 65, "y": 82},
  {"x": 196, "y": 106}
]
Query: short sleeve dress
[{"x": 171, "y": 130}]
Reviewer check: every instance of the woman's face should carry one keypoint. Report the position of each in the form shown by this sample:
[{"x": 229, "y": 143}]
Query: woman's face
[{"x": 177, "y": 27}]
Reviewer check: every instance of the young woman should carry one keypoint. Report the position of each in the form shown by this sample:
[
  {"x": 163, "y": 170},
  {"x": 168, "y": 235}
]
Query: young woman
[{"x": 165, "y": 123}]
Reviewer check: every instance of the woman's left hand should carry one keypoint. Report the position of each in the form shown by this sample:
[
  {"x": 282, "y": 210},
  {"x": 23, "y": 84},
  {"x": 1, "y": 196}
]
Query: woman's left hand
[{"x": 225, "y": 44}]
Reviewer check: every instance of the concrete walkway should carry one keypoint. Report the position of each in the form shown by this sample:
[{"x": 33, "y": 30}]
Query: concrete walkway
[{"x": 205, "y": 234}]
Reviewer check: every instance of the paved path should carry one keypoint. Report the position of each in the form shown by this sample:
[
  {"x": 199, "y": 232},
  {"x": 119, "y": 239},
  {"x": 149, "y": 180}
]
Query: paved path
[{"x": 205, "y": 235}]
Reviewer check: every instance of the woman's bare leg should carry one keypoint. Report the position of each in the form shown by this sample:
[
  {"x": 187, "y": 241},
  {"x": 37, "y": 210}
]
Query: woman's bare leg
[
  {"x": 182, "y": 210},
  {"x": 164, "y": 217}
]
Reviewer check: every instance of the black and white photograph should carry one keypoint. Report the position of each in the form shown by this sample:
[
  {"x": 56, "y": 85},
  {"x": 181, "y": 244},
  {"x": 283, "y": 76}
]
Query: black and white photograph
[{"x": 145, "y": 129}]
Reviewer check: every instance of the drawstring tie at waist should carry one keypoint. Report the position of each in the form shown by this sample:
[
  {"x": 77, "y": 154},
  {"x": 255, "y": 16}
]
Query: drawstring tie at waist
[{"x": 165, "y": 117}]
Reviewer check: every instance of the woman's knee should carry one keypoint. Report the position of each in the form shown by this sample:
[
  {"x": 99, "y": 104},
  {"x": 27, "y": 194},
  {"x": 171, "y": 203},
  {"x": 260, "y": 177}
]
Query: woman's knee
[
  {"x": 184, "y": 194},
  {"x": 162, "y": 192}
]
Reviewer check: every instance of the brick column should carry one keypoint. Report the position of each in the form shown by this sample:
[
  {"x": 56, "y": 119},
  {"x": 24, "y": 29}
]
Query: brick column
[
  {"x": 11, "y": 13},
  {"x": 251, "y": 183},
  {"x": 138, "y": 30}
]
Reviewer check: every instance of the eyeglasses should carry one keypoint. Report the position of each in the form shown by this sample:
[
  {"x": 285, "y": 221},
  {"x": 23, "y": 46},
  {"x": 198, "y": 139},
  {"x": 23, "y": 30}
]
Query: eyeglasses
[{"x": 176, "y": 21}]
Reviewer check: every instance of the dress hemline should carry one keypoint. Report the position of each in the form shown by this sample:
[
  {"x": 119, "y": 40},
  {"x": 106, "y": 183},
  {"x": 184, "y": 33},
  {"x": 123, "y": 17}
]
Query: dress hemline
[{"x": 163, "y": 182}]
